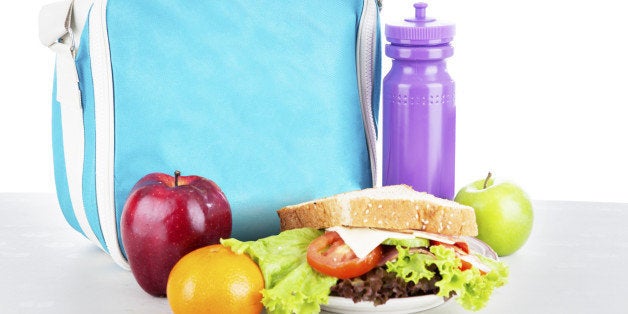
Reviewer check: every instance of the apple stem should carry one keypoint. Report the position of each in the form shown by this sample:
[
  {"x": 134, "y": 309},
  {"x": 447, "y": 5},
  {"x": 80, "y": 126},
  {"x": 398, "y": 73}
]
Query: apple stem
[
  {"x": 487, "y": 178},
  {"x": 177, "y": 173}
]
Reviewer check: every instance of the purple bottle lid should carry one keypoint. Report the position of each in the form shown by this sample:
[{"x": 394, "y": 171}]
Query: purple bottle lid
[{"x": 420, "y": 30}]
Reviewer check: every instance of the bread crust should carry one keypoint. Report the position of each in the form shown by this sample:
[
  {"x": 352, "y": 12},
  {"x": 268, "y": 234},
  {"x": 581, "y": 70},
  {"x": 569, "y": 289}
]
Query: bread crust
[{"x": 366, "y": 208}]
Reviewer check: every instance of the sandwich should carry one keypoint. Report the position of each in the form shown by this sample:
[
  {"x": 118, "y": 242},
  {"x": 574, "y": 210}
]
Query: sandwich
[{"x": 373, "y": 245}]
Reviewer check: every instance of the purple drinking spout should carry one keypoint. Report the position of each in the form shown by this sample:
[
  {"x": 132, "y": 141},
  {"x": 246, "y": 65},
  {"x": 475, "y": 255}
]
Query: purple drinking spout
[
  {"x": 420, "y": 13},
  {"x": 420, "y": 10}
]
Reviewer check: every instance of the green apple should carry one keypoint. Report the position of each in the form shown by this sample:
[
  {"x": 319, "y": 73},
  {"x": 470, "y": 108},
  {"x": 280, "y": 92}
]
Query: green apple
[{"x": 503, "y": 212}]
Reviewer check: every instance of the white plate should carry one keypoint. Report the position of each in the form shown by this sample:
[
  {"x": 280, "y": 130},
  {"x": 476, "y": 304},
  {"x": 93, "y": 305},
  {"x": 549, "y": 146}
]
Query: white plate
[
  {"x": 402, "y": 305},
  {"x": 393, "y": 306}
]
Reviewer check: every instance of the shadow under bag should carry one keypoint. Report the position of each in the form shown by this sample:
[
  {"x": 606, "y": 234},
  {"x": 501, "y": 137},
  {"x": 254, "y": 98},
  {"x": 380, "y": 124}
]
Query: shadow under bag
[{"x": 275, "y": 101}]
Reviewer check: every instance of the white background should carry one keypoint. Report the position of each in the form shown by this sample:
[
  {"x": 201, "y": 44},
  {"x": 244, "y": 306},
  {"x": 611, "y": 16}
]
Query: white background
[{"x": 541, "y": 95}]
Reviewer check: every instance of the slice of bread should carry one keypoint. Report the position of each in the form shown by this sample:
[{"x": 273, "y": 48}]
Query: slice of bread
[{"x": 396, "y": 207}]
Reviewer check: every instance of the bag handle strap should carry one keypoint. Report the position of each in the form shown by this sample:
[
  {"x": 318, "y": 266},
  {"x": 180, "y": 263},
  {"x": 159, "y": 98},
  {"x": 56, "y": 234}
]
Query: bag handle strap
[{"x": 55, "y": 32}]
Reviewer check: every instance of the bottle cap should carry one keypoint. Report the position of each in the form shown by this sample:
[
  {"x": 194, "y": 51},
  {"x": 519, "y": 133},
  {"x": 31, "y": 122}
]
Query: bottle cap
[{"x": 420, "y": 30}]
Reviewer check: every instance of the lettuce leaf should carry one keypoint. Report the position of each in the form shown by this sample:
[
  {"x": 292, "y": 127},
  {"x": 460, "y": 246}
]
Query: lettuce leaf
[
  {"x": 291, "y": 285},
  {"x": 479, "y": 289},
  {"x": 472, "y": 288}
]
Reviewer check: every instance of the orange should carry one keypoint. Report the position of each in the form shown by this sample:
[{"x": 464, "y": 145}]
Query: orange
[{"x": 213, "y": 279}]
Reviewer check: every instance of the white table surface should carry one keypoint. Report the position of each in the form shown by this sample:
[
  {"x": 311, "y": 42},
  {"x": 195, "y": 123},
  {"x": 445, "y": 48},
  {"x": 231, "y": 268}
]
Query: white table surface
[{"x": 576, "y": 261}]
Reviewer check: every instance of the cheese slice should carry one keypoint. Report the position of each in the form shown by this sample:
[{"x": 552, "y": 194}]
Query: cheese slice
[
  {"x": 436, "y": 237},
  {"x": 364, "y": 240}
]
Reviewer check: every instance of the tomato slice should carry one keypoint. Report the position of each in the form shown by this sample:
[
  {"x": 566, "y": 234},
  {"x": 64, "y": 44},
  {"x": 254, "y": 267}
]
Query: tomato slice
[
  {"x": 330, "y": 255},
  {"x": 464, "y": 263}
]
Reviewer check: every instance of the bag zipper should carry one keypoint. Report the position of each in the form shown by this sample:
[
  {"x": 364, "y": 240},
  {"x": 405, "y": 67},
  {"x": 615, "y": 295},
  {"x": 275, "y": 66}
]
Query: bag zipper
[
  {"x": 366, "y": 54},
  {"x": 105, "y": 141}
]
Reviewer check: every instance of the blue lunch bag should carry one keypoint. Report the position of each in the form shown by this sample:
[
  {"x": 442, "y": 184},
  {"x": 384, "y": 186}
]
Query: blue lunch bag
[{"x": 275, "y": 101}]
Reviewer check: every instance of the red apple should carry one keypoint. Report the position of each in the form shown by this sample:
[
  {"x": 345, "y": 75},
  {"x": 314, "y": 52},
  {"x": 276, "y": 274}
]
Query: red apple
[{"x": 167, "y": 217}]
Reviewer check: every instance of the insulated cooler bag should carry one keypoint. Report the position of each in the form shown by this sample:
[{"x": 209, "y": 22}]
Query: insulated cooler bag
[{"x": 275, "y": 101}]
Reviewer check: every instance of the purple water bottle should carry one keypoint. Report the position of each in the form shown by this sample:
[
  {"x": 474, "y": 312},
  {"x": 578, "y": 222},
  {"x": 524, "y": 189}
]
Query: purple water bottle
[{"x": 419, "y": 109}]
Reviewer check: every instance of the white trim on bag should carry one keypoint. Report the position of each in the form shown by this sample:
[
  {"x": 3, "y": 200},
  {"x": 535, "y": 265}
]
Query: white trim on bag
[
  {"x": 365, "y": 58},
  {"x": 73, "y": 142},
  {"x": 55, "y": 31},
  {"x": 104, "y": 113}
]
